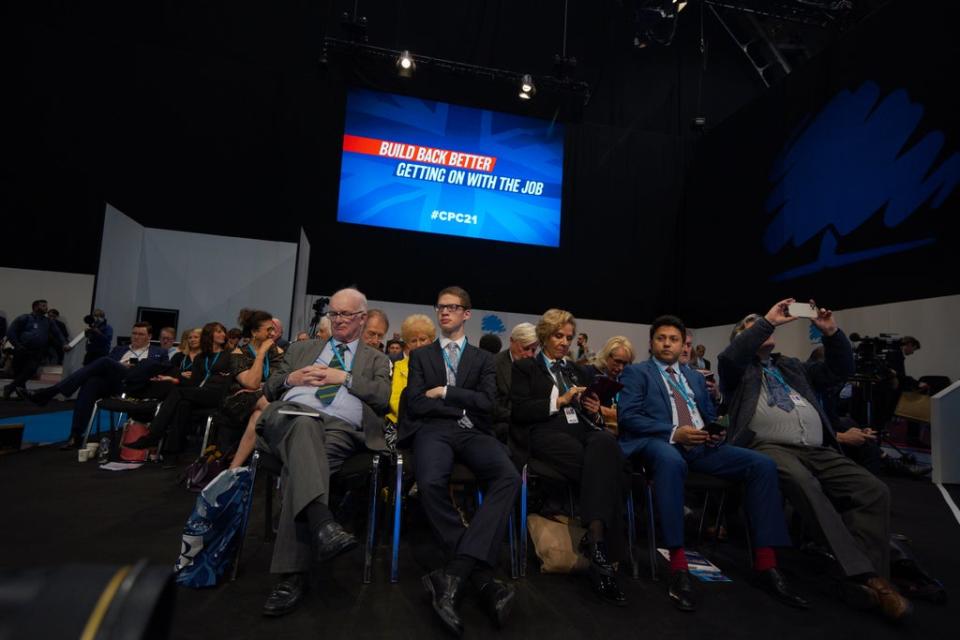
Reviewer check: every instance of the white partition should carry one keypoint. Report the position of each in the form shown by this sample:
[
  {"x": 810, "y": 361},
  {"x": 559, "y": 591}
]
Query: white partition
[{"x": 945, "y": 435}]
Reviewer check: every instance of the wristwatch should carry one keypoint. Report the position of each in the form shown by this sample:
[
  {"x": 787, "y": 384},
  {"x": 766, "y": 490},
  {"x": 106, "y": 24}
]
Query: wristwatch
[{"x": 348, "y": 380}]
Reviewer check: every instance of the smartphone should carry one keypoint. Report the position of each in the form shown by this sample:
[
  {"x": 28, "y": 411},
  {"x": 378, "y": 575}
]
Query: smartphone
[
  {"x": 802, "y": 310},
  {"x": 714, "y": 429},
  {"x": 709, "y": 375}
]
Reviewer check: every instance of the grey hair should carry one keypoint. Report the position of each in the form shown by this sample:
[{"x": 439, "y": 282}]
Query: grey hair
[
  {"x": 354, "y": 293},
  {"x": 740, "y": 326},
  {"x": 524, "y": 333}
]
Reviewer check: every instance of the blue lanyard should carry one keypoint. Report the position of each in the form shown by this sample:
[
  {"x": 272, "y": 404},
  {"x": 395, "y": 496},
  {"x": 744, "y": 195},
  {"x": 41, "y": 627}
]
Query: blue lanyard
[
  {"x": 679, "y": 387},
  {"x": 343, "y": 365},
  {"x": 557, "y": 379},
  {"x": 266, "y": 362},
  {"x": 774, "y": 373},
  {"x": 446, "y": 358},
  {"x": 185, "y": 363},
  {"x": 206, "y": 364}
]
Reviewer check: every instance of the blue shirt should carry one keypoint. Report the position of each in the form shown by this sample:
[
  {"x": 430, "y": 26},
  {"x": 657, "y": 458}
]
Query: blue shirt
[
  {"x": 345, "y": 406},
  {"x": 33, "y": 332}
]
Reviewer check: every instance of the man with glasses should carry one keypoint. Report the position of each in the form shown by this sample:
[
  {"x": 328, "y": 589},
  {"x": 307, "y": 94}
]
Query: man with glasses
[
  {"x": 126, "y": 369},
  {"x": 343, "y": 386},
  {"x": 450, "y": 397},
  {"x": 523, "y": 344}
]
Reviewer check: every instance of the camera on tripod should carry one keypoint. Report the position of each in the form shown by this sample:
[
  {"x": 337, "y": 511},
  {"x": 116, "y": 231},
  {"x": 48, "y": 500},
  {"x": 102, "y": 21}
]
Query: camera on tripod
[{"x": 872, "y": 355}]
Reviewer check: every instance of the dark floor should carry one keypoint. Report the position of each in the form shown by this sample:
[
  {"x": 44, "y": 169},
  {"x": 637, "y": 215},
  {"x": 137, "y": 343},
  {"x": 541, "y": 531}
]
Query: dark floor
[{"x": 59, "y": 511}]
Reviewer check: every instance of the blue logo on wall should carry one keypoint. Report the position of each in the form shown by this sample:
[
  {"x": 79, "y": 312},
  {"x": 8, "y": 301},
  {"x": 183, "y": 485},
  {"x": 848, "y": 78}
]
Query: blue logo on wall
[
  {"x": 492, "y": 324},
  {"x": 848, "y": 164}
]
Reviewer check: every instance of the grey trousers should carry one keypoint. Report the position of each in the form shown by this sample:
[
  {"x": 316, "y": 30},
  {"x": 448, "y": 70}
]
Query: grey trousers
[
  {"x": 846, "y": 504},
  {"x": 311, "y": 450}
]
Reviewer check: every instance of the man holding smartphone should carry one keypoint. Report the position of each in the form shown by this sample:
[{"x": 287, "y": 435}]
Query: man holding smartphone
[
  {"x": 774, "y": 409},
  {"x": 666, "y": 420}
]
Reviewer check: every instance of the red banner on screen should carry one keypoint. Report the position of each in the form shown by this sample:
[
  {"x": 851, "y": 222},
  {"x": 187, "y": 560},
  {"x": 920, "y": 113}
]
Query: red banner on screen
[{"x": 418, "y": 153}]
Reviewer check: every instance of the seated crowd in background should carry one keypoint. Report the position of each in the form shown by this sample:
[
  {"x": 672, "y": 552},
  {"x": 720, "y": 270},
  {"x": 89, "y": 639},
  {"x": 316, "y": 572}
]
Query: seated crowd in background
[{"x": 319, "y": 400}]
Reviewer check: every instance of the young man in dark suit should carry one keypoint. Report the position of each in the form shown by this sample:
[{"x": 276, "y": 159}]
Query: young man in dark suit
[
  {"x": 449, "y": 402},
  {"x": 663, "y": 414}
]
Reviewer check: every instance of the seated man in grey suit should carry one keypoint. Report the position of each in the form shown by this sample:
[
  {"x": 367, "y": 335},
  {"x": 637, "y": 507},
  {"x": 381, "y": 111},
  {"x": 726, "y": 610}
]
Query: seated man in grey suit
[{"x": 348, "y": 384}]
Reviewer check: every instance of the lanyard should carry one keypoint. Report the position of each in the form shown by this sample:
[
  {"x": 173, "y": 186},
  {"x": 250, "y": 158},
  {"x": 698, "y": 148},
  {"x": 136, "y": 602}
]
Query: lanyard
[
  {"x": 138, "y": 356},
  {"x": 774, "y": 373},
  {"x": 185, "y": 363},
  {"x": 679, "y": 387},
  {"x": 557, "y": 378},
  {"x": 266, "y": 362},
  {"x": 206, "y": 364},
  {"x": 343, "y": 365}
]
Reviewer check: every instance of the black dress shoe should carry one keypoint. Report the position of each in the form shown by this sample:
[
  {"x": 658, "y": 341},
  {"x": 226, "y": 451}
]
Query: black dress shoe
[
  {"x": 773, "y": 582},
  {"x": 286, "y": 595},
  {"x": 602, "y": 574},
  {"x": 498, "y": 599},
  {"x": 681, "y": 591},
  {"x": 332, "y": 540},
  {"x": 41, "y": 397},
  {"x": 146, "y": 442},
  {"x": 445, "y": 592}
]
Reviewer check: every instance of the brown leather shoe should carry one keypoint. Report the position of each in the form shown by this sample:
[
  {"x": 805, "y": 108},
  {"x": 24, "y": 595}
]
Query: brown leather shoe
[{"x": 894, "y": 606}]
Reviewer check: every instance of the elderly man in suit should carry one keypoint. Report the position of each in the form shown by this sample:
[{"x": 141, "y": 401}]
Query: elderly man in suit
[
  {"x": 346, "y": 385},
  {"x": 450, "y": 397},
  {"x": 523, "y": 344},
  {"x": 664, "y": 413},
  {"x": 774, "y": 409}
]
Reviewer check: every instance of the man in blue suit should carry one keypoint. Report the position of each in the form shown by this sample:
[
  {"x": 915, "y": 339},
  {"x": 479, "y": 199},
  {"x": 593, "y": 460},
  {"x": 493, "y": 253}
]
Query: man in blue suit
[
  {"x": 127, "y": 368},
  {"x": 663, "y": 414}
]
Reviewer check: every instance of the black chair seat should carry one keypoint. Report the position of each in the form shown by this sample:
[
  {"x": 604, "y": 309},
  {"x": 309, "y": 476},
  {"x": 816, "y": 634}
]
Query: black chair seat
[
  {"x": 544, "y": 471},
  {"x": 703, "y": 482}
]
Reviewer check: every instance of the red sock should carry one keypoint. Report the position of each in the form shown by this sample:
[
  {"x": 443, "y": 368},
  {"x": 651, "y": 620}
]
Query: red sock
[
  {"x": 764, "y": 558},
  {"x": 678, "y": 560}
]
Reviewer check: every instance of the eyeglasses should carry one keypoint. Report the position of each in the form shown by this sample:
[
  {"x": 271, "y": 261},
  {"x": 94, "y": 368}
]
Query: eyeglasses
[
  {"x": 346, "y": 315},
  {"x": 448, "y": 307}
]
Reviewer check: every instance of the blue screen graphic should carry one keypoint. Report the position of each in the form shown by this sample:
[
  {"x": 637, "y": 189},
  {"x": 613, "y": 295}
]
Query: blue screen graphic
[{"x": 441, "y": 168}]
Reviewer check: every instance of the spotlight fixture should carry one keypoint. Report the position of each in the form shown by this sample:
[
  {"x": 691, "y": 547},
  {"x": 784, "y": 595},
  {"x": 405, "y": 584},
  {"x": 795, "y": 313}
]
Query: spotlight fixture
[
  {"x": 405, "y": 64},
  {"x": 527, "y": 88}
]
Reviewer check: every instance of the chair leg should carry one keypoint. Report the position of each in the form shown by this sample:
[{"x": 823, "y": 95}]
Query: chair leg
[
  {"x": 206, "y": 433},
  {"x": 371, "y": 519},
  {"x": 93, "y": 416},
  {"x": 268, "y": 533},
  {"x": 651, "y": 535},
  {"x": 716, "y": 526},
  {"x": 523, "y": 522},
  {"x": 397, "y": 511},
  {"x": 632, "y": 535},
  {"x": 246, "y": 515},
  {"x": 512, "y": 533},
  {"x": 703, "y": 517}
]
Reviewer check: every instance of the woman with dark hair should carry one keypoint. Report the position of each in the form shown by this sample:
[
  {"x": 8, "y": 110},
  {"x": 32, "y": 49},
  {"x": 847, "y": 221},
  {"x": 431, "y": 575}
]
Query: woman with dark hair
[
  {"x": 205, "y": 388},
  {"x": 252, "y": 364}
]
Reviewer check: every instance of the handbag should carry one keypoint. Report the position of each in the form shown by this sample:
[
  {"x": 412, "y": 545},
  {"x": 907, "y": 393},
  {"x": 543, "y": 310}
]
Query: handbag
[
  {"x": 556, "y": 541},
  {"x": 133, "y": 431},
  {"x": 237, "y": 408},
  {"x": 204, "y": 469}
]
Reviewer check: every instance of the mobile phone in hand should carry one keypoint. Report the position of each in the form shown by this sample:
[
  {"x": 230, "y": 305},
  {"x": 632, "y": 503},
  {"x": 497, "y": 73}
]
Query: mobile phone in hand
[
  {"x": 802, "y": 310},
  {"x": 714, "y": 429}
]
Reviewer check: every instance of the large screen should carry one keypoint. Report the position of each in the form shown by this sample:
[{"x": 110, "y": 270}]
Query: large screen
[{"x": 441, "y": 168}]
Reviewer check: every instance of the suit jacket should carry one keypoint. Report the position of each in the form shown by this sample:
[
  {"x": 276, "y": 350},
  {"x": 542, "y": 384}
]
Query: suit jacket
[
  {"x": 475, "y": 391},
  {"x": 370, "y": 383},
  {"x": 155, "y": 352},
  {"x": 531, "y": 385},
  {"x": 741, "y": 377},
  {"x": 645, "y": 410},
  {"x": 504, "y": 369}
]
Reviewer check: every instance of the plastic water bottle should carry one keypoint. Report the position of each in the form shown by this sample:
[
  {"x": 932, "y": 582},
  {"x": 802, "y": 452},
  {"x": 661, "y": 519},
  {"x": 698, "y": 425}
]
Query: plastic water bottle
[{"x": 103, "y": 452}]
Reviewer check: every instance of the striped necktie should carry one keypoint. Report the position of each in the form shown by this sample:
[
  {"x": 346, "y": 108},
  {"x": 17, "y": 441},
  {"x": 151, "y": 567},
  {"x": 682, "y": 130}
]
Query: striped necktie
[
  {"x": 684, "y": 417},
  {"x": 453, "y": 353},
  {"x": 328, "y": 392}
]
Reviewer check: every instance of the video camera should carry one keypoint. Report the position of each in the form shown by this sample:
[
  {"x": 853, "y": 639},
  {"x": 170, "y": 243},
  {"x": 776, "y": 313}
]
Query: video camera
[{"x": 872, "y": 355}]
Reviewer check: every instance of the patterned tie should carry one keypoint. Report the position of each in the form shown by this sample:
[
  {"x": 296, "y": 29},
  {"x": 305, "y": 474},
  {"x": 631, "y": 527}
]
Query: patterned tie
[
  {"x": 328, "y": 392},
  {"x": 778, "y": 393},
  {"x": 453, "y": 356},
  {"x": 557, "y": 369},
  {"x": 684, "y": 417}
]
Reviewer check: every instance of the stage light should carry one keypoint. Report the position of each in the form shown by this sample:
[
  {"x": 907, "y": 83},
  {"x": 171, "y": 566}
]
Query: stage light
[
  {"x": 527, "y": 88},
  {"x": 405, "y": 64}
]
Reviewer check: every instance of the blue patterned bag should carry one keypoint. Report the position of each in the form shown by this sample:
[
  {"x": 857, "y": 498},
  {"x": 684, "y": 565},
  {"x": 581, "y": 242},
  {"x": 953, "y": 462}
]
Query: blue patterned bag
[{"x": 213, "y": 530}]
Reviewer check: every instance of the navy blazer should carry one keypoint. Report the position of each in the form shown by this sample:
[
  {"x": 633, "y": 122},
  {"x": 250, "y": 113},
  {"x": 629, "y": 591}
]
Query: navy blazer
[
  {"x": 475, "y": 391},
  {"x": 644, "y": 409}
]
